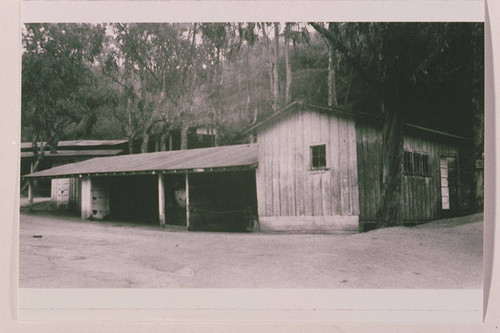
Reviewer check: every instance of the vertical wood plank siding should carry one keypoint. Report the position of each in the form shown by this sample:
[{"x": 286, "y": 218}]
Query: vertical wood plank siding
[
  {"x": 421, "y": 196},
  {"x": 369, "y": 162},
  {"x": 286, "y": 185}
]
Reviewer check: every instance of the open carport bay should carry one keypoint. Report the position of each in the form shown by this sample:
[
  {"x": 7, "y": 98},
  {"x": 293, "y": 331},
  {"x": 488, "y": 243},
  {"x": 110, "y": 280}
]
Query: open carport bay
[
  {"x": 224, "y": 201},
  {"x": 134, "y": 198}
]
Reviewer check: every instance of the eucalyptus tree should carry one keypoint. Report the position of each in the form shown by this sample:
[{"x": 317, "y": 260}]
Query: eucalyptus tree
[
  {"x": 224, "y": 45},
  {"x": 156, "y": 68},
  {"x": 294, "y": 33}
]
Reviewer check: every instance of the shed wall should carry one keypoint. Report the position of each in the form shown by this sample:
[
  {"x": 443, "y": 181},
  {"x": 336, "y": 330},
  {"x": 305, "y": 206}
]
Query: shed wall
[
  {"x": 421, "y": 196},
  {"x": 288, "y": 187}
]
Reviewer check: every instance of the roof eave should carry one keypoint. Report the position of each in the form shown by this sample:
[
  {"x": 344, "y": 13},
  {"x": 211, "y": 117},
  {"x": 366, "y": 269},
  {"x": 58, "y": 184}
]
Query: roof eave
[
  {"x": 295, "y": 106},
  {"x": 287, "y": 108},
  {"x": 246, "y": 167}
]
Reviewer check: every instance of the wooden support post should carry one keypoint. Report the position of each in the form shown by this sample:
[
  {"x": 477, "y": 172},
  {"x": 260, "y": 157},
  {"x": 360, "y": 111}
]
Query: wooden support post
[
  {"x": 30, "y": 189},
  {"x": 187, "y": 200},
  {"x": 86, "y": 198},
  {"x": 30, "y": 194},
  {"x": 161, "y": 199}
]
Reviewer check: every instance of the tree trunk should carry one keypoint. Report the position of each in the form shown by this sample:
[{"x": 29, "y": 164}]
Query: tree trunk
[
  {"x": 131, "y": 145},
  {"x": 477, "y": 93},
  {"x": 163, "y": 140},
  {"x": 145, "y": 142},
  {"x": 332, "y": 89},
  {"x": 157, "y": 144},
  {"x": 478, "y": 153},
  {"x": 255, "y": 115},
  {"x": 184, "y": 136},
  {"x": 389, "y": 210},
  {"x": 275, "y": 67},
  {"x": 288, "y": 97},
  {"x": 348, "y": 90},
  {"x": 267, "y": 44},
  {"x": 39, "y": 152}
]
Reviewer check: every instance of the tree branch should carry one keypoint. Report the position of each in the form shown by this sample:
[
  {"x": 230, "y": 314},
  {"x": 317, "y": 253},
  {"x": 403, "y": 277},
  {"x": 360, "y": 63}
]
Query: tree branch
[
  {"x": 138, "y": 56},
  {"x": 353, "y": 61},
  {"x": 119, "y": 83}
]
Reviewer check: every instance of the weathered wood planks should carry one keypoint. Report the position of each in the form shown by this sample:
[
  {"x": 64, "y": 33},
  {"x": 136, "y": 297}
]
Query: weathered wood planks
[
  {"x": 420, "y": 197},
  {"x": 161, "y": 199},
  {"x": 288, "y": 185},
  {"x": 86, "y": 209}
]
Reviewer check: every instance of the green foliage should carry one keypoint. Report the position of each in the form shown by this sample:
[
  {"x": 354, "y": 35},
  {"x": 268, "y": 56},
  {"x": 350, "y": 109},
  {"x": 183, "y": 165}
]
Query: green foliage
[{"x": 59, "y": 88}]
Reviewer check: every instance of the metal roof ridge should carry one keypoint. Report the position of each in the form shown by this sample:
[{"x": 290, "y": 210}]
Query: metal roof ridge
[
  {"x": 192, "y": 149},
  {"x": 153, "y": 161}
]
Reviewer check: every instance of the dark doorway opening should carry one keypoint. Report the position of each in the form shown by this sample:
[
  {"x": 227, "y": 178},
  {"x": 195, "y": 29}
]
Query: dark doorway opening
[
  {"x": 134, "y": 199},
  {"x": 223, "y": 201}
]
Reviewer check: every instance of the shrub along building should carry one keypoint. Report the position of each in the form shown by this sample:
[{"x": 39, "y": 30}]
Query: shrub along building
[{"x": 311, "y": 168}]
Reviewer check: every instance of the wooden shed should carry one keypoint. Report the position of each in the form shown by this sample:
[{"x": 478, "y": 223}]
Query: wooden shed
[
  {"x": 307, "y": 179},
  {"x": 319, "y": 170}
]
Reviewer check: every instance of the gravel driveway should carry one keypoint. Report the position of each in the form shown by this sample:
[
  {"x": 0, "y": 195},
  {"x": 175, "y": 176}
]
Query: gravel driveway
[{"x": 78, "y": 254}]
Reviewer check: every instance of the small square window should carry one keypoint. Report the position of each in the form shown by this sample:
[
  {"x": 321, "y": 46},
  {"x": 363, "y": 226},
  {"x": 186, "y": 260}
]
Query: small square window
[{"x": 318, "y": 157}]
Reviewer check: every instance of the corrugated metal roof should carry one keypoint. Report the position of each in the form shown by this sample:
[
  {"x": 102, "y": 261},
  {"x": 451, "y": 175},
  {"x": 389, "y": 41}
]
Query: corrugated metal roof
[
  {"x": 203, "y": 158},
  {"x": 76, "y": 153},
  {"x": 80, "y": 143}
]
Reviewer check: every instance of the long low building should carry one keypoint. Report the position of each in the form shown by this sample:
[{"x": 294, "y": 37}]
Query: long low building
[
  {"x": 66, "y": 152},
  {"x": 312, "y": 168},
  {"x": 163, "y": 186}
]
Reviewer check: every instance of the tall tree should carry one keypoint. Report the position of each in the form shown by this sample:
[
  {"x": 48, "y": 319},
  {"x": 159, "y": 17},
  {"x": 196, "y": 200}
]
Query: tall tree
[
  {"x": 154, "y": 64},
  {"x": 395, "y": 59},
  {"x": 294, "y": 33},
  {"x": 223, "y": 43},
  {"x": 59, "y": 88}
]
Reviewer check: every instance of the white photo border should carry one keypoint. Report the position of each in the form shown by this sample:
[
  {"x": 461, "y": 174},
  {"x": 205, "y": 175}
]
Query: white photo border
[{"x": 42, "y": 305}]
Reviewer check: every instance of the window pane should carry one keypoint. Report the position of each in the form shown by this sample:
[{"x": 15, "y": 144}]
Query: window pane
[
  {"x": 318, "y": 156},
  {"x": 408, "y": 163},
  {"x": 425, "y": 165},
  {"x": 417, "y": 163}
]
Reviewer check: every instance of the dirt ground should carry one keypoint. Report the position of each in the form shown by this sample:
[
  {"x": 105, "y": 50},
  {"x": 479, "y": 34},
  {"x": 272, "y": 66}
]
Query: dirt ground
[{"x": 63, "y": 251}]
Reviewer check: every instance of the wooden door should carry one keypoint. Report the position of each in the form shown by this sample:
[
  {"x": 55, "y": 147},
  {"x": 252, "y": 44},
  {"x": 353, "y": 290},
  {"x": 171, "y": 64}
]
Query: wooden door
[
  {"x": 62, "y": 192},
  {"x": 449, "y": 183}
]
